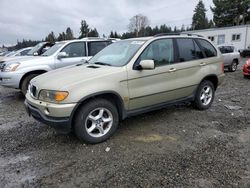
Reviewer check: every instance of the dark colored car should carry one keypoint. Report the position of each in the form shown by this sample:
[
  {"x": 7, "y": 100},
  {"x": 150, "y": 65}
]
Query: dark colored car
[
  {"x": 40, "y": 48},
  {"x": 246, "y": 69},
  {"x": 245, "y": 52}
]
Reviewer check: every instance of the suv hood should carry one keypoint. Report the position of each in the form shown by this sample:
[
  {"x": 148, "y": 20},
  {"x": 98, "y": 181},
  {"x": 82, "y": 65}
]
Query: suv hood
[{"x": 64, "y": 78}]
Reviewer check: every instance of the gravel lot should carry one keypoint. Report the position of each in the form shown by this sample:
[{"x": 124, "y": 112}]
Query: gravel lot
[{"x": 173, "y": 147}]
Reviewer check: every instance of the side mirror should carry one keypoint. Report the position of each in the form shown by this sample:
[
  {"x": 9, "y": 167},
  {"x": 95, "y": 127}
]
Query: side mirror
[
  {"x": 35, "y": 54},
  {"x": 62, "y": 55},
  {"x": 146, "y": 65}
]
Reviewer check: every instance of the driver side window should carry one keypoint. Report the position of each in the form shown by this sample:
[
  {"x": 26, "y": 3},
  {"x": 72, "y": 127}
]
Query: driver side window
[
  {"x": 76, "y": 49},
  {"x": 161, "y": 51}
]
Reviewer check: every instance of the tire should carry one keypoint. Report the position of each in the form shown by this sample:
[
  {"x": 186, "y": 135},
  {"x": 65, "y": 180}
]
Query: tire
[
  {"x": 90, "y": 125},
  {"x": 208, "y": 96},
  {"x": 26, "y": 81},
  {"x": 233, "y": 66}
]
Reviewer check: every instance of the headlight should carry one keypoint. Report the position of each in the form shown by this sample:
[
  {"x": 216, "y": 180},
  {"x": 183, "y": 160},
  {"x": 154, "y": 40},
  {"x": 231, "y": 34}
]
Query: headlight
[
  {"x": 11, "y": 67},
  {"x": 52, "y": 96}
]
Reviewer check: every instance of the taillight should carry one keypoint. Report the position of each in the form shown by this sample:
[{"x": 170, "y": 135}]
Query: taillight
[{"x": 222, "y": 67}]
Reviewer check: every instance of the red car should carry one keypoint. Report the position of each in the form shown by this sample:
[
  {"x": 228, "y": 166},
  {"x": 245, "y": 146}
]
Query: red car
[{"x": 246, "y": 69}]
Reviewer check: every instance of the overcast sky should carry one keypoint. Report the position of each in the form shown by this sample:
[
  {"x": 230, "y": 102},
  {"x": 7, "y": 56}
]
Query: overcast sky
[{"x": 34, "y": 19}]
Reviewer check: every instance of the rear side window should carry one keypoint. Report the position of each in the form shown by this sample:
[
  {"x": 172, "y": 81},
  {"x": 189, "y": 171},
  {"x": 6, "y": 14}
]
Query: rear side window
[
  {"x": 208, "y": 48},
  {"x": 226, "y": 49},
  {"x": 76, "y": 49},
  {"x": 188, "y": 50},
  {"x": 95, "y": 47}
]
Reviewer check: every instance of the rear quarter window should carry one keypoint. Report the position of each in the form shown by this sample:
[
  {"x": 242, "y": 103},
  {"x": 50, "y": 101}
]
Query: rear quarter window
[{"x": 208, "y": 48}]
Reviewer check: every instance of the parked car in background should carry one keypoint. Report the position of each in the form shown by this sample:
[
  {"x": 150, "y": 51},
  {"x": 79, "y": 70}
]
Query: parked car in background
[
  {"x": 231, "y": 57},
  {"x": 37, "y": 50},
  {"x": 18, "y": 73},
  {"x": 245, "y": 52},
  {"x": 21, "y": 52},
  {"x": 4, "y": 53},
  {"x": 246, "y": 69},
  {"x": 126, "y": 78},
  {"x": 40, "y": 48}
]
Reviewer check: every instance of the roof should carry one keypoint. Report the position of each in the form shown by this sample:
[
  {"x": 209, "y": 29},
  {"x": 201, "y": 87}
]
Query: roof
[{"x": 219, "y": 28}]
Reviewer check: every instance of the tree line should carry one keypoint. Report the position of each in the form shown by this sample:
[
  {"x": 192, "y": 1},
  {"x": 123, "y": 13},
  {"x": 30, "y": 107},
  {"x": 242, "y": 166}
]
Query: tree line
[{"x": 225, "y": 13}]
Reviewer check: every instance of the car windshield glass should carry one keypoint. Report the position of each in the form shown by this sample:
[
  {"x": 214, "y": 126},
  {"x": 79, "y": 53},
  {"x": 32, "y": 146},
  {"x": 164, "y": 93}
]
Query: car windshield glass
[
  {"x": 117, "y": 54},
  {"x": 53, "y": 49},
  {"x": 35, "y": 48}
]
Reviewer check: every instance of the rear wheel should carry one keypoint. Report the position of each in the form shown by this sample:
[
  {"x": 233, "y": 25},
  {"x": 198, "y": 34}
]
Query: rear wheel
[
  {"x": 96, "y": 121},
  {"x": 204, "y": 95},
  {"x": 233, "y": 66},
  {"x": 26, "y": 81}
]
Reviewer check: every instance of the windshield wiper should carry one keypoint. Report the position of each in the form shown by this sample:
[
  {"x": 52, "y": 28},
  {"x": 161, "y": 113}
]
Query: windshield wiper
[{"x": 101, "y": 63}]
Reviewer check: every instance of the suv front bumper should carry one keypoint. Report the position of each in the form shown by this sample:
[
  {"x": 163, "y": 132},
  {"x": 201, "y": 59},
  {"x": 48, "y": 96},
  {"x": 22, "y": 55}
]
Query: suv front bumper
[
  {"x": 59, "y": 116},
  {"x": 10, "y": 79}
]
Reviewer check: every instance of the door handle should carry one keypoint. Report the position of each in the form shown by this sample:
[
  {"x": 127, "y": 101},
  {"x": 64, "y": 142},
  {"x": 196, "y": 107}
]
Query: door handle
[
  {"x": 172, "y": 70},
  {"x": 202, "y": 64}
]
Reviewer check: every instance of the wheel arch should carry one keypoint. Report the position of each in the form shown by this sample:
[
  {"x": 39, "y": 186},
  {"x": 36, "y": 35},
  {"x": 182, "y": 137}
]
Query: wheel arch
[
  {"x": 109, "y": 95},
  {"x": 212, "y": 78},
  {"x": 29, "y": 73},
  {"x": 237, "y": 60}
]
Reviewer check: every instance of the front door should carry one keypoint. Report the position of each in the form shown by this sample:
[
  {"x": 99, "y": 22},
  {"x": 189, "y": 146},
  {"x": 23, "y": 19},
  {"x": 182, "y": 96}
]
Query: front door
[
  {"x": 75, "y": 53},
  {"x": 149, "y": 87}
]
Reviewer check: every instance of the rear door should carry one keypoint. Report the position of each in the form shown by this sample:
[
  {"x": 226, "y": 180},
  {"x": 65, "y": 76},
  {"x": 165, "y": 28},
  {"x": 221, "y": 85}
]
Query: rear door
[
  {"x": 76, "y": 53},
  {"x": 191, "y": 62}
]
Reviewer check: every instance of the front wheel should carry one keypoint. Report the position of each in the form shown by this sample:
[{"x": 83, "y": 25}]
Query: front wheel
[
  {"x": 96, "y": 121},
  {"x": 204, "y": 95},
  {"x": 26, "y": 81}
]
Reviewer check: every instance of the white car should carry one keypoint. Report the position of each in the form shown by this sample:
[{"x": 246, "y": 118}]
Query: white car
[
  {"x": 231, "y": 57},
  {"x": 21, "y": 52},
  {"x": 17, "y": 73}
]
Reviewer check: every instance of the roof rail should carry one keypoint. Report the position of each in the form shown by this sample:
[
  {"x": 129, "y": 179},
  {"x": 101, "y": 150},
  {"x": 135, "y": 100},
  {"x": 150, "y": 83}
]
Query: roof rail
[
  {"x": 170, "y": 34},
  {"x": 189, "y": 34},
  {"x": 86, "y": 38},
  {"x": 165, "y": 34}
]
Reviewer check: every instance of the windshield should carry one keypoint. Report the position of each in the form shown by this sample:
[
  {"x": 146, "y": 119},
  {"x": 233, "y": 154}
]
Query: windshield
[
  {"x": 35, "y": 49},
  {"x": 117, "y": 54},
  {"x": 53, "y": 49}
]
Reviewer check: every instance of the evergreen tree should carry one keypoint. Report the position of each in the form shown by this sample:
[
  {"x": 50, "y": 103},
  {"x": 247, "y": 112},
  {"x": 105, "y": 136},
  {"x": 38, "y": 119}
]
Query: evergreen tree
[
  {"x": 233, "y": 12},
  {"x": 84, "y": 29},
  {"x": 69, "y": 34},
  {"x": 93, "y": 33},
  {"x": 111, "y": 35},
  {"x": 200, "y": 20},
  {"x": 51, "y": 37}
]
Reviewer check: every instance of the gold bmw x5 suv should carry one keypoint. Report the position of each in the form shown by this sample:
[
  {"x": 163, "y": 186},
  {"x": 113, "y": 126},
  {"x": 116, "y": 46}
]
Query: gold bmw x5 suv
[{"x": 124, "y": 79}]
